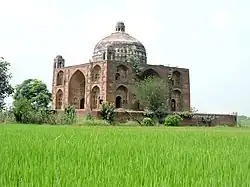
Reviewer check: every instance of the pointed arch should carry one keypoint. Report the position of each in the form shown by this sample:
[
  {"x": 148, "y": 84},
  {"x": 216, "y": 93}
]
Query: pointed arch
[
  {"x": 121, "y": 72},
  {"x": 95, "y": 94},
  {"x": 121, "y": 97},
  {"x": 173, "y": 105},
  {"x": 77, "y": 90},
  {"x": 59, "y": 78},
  {"x": 150, "y": 73},
  {"x": 177, "y": 93},
  {"x": 177, "y": 97},
  {"x": 176, "y": 78},
  {"x": 96, "y": 73},
  {"x": 59, "y": 99}
]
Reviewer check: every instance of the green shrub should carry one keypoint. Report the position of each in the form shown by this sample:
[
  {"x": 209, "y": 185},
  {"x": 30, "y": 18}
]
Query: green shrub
[
  {"x": 185, "y": 114},
  {"x": 88, "y": 117},
  {"x": 158, "y": 116},
  {"x": 7, "y": 116},
  {"x": 107, "y": 111},
  {"x": 148, "y": 113},
  {"x": 172, "y": 120},
  {"x": 69, "y": 115},
  {"x": 50, "y": 117},
  {"x": 24, "y": 112},
  {"x": 40, "y": 117},
  {"x": 147, "y": 122}
]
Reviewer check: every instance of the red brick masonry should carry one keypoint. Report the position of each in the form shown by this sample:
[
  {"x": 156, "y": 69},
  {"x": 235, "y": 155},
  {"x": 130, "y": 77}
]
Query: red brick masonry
[{"x": 122, "y": 116}]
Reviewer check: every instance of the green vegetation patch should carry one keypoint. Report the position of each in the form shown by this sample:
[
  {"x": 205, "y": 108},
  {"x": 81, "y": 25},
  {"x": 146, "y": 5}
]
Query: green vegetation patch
[{"x": 123, "y": 156}]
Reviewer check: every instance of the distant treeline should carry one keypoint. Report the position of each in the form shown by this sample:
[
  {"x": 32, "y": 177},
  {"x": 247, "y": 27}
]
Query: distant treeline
[{"x": 243, "y": 120}]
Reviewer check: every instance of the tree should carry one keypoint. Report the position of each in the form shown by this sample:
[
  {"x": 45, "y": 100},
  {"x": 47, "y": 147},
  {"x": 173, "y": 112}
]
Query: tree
[
  {"x": 152, "y": 93},
  {"x": 107, "y": 111},
  {"x": 135, "y": 63},
  {"x": 34, "y": 91},
  {"x": 23, "y": 110},
  {"x": 5, "y": 87}
]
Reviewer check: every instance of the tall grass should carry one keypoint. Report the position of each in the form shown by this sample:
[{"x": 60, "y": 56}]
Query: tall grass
[{"x": 123, "y": 156}]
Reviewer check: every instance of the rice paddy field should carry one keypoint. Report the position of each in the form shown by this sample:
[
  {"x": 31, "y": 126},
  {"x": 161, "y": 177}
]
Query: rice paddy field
[{"x": 33, "y": 155}]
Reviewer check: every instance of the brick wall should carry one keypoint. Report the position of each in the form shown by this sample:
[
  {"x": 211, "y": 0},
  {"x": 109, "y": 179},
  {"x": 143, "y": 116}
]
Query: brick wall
[{"x": 122, "y": 116}]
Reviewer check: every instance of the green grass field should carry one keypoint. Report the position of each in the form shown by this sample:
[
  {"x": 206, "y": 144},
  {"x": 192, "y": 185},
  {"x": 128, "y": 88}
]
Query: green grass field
[{"x": 123, "y": 156}]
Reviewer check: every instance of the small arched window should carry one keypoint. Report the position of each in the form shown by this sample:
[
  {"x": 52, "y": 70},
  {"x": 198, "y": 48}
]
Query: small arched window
[
  {"x": 177, "y": 78},
  {"x": 59, "y": 78},
  {"x": 96, "y": 73},
  {"x": 122, "y": 73}
]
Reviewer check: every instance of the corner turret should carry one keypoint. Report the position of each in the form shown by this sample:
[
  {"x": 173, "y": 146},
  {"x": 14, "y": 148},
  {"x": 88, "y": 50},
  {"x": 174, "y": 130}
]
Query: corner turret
[{"x": 59, "y": 62}]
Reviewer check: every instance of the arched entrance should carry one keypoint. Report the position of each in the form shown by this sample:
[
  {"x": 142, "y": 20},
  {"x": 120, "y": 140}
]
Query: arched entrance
[
  {"x": 177, "y": 99},
  {"x": 77, "y": 90},
  {"x": 173, "y": 105},
  {"x": 59, "y": 99},
  {"x": 95, "y": 94},
  {"x": 118, "y": 102},
  {"x": 121, "y": 97}
]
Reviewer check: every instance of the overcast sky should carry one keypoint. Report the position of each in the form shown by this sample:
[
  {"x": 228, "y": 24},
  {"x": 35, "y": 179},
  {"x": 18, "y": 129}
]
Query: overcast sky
[{"x": 210, "y": 37}]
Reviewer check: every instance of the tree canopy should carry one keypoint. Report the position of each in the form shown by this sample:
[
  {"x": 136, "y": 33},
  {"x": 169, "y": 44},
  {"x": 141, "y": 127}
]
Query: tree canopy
[
  {"x": 135, "y": 63},
  {"x": 5, "y": 87},
  {"x": 152, "y": 93},
  {"x": 35, "y": 91}
]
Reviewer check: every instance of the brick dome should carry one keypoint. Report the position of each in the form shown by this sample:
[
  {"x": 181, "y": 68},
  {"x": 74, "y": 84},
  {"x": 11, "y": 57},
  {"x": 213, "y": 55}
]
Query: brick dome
[{"x": 120, "y": 45}]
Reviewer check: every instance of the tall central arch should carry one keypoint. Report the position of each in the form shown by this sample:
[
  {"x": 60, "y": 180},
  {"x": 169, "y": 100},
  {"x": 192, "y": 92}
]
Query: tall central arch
[{"x": 77, "y": 90}]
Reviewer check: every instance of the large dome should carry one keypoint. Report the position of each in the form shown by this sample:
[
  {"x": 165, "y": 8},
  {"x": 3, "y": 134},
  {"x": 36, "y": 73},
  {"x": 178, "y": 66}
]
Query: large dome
[{"x": 119, "y": 45}]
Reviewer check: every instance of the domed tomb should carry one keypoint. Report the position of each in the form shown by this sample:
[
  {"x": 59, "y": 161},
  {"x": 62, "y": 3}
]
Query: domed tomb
[{"x": 118, "y": 46}]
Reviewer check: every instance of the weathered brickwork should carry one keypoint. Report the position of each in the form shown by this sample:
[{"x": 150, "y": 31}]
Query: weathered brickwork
[
  {"x": 107, "y": 77},
  {"x": 122, "y": 116}
]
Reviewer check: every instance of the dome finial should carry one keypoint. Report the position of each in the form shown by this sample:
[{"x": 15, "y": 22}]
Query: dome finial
[{"x": 120, "y": 27}]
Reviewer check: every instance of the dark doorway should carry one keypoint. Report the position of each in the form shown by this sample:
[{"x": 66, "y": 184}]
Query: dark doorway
[
  {"x": 173, "y": 105},
  {"x": 82, "y": 103},
  {"x": 118, "y": 102},
  {"x": 137, "y": 105}
]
